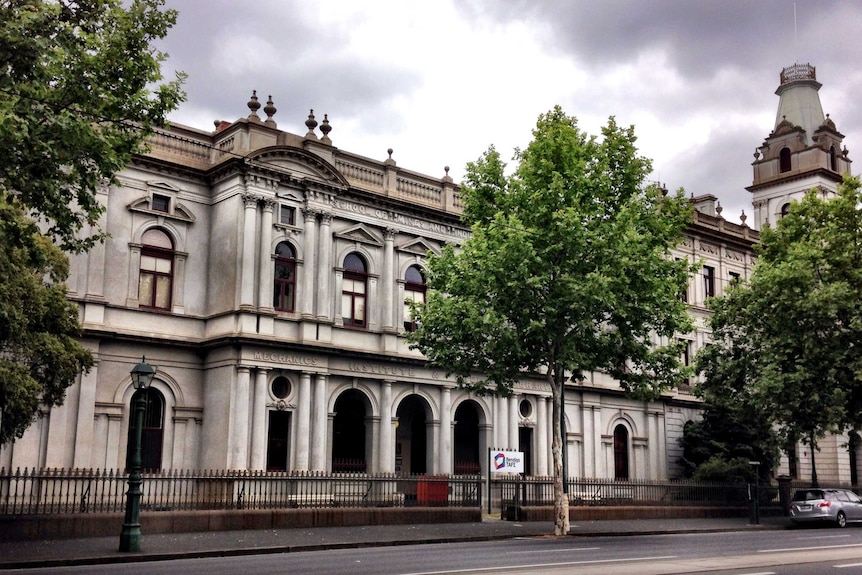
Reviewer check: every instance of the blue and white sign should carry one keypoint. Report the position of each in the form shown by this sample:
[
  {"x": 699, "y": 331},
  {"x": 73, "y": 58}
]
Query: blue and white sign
[{"x": 507, "y": 461}]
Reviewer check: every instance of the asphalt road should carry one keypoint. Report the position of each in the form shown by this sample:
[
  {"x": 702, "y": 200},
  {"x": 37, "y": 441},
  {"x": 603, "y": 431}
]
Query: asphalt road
[{"x": 787, "y": 552}]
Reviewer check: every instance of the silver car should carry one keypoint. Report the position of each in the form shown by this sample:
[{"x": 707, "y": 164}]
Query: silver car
[{"x": 840, "y": 506}]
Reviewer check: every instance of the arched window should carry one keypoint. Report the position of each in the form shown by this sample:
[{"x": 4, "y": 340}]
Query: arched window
[
  {"x": 414, "y": 291},
  {"x": 157, "y": 270},
  {"x": 833, "y": 161},
  {"x": 784, "y": 209},
  {"x": 353, "y": 291},
  {"x": 152, "y": 433},
  {"x": 284, "y": 286},
  {"x": 784, "y": 160},
  {"x": 621, "y": 452}
]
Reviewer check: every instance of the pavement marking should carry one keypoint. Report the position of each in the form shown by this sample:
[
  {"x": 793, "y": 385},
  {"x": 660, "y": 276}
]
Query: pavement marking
[
  {"x": 848, "y": 565},
  {"x": 553, "y": 550},
  {"x": 824, "y": 537},
  {"x": 808, "y": 548},
  {"x": 540, "y": 565},
  {"x": 760, "y": 573}
]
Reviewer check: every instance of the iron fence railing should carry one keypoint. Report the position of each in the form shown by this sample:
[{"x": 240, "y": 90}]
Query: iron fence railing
[
  {"x": 539, "y": 491},
  {"x": 64, "y": 491}
]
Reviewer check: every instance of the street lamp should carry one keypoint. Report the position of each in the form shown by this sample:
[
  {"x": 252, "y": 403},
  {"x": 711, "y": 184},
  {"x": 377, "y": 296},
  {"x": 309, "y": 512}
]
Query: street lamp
[{"x": 130, "y": 537}]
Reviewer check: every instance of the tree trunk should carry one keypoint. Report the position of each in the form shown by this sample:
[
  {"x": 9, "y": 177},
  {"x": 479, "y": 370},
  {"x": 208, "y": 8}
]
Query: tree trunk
[
  {"x": 561, "y": 500},
  {"x": 812, "y": 445}
]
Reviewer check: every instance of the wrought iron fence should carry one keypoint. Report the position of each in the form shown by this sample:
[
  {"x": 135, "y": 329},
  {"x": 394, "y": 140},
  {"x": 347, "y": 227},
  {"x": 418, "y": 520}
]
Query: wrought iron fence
[
  {"x": 539, "y": 491},
  {"x": 63, "y": 491}
]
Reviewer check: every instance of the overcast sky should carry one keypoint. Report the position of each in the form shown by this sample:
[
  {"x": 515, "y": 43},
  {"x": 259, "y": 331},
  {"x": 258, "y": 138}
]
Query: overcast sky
[{"x": 439, "y": 81}]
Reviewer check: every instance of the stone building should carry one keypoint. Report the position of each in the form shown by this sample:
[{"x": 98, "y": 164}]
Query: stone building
[{"x": 265, "y": 273}]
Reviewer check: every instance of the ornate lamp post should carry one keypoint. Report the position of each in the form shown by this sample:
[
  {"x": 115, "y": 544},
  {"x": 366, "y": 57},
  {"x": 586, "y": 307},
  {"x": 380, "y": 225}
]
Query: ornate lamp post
[{"x": 130, "y": 537}]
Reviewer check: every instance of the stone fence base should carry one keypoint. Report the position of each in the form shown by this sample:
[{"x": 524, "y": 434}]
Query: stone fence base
[
  {"x": 36, "y": 527},
  {"x": 603, "y": 512}
]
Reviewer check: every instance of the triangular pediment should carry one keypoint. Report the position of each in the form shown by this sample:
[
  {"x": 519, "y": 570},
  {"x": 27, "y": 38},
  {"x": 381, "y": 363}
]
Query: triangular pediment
[
  {"x": 418, "y": 246},
  {"x": 298, "y": 165},
  {"x": 360, "y": 233}
]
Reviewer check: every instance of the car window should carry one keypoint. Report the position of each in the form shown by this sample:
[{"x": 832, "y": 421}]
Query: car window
[
  {"x": 853, "y": 497},
  {"x": 831, "y": 496},
  {"x": 807, "y": 495},
  {"x": 842, "y": 496}
]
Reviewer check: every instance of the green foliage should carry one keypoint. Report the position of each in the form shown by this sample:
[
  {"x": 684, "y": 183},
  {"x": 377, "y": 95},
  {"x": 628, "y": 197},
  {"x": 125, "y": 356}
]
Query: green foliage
[
  {"x": 39, "y": 356},
  {"x": 717, "y": 468},
  {"x": 790, "y": 340},
  {"x": 567, "y": 269},
  {"x": 78, "y": 96},
  {"x": 729, "y": 430}
]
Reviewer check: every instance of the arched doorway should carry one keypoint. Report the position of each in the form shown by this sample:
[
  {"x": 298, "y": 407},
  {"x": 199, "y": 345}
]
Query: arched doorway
[
  {"x": 412, "y": 438},
  {"x": 466, "y": 438},
  {"x": 350, "y": 433},
  {"x": 152, "y": 432},
  {"x": 621, "y": 452}
]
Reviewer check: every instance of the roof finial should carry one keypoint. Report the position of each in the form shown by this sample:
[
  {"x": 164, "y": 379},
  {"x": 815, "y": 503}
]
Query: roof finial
[
  {"x": 325, "y": 128},
  {"x": 311, "y": 123},
  {"x": 253, "y": 105},
  {"x": 270, "y": 111}
]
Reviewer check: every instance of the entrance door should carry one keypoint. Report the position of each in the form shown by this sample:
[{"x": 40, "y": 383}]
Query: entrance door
[
  {"x": 278, "y": 441},
  {"x": 525, "y": 445}
]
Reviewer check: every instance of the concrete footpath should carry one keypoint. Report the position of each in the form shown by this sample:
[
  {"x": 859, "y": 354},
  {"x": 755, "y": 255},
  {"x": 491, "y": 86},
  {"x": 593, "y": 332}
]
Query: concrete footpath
[{"x": 103, "y": 550}]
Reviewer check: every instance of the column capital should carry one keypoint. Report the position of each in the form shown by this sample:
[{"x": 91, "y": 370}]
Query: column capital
[
  {"x": 250, "y": 200},
  {"x": 310, "y": 214}
]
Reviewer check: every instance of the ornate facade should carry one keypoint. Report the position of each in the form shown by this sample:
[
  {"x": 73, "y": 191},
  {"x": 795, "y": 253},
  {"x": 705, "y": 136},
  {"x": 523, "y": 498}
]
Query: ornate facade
[{"x": 264, "y": 274}]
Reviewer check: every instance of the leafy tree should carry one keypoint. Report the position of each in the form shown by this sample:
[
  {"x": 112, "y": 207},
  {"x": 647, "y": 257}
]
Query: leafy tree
[
  {"x": 730, "y": 430},
  {"x": 78, "y": 97},
  {"x": 790, "y": 340},
  {"x": 39, "y": 356},
  {"x": 567, "y": 271}
]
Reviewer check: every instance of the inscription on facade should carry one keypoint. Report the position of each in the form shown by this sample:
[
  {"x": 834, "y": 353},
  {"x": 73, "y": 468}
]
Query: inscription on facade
[
  {"x": 400, "y": 219},
  {"x": 382, "y": 369},
  {"x": 287, "y": 358}
]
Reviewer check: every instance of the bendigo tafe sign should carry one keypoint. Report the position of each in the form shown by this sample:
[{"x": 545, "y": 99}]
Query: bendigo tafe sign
[{"x": 506, "y": 461}]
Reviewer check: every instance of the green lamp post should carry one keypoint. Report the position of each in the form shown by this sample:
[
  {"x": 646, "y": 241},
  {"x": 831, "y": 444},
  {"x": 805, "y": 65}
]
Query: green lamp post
[{"x": 130, "y": 537}]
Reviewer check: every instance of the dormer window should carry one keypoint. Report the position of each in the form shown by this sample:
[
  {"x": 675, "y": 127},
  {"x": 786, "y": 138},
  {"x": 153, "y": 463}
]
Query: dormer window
[
  {"x": 784, "y": 160},
  {"x": 161, "y": 203}
]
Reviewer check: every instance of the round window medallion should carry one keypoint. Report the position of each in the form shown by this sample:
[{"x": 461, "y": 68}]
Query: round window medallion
[
  {"x": 526, "y": 408},
  {"x": 280, "y": 387}
]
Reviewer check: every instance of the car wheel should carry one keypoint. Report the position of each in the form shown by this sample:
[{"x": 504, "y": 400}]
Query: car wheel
[{"x": 841, "y": 520}]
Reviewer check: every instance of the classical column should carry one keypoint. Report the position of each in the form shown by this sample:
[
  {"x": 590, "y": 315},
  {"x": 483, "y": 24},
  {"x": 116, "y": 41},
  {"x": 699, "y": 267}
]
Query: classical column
[
  {"x": 259, "y": 421},
  {"x": 247, "y": 268},
  {"x": 303, "y": 422},
  {"x": 318, "y": 425},
  {"x": 514, "y": 418},
  {"x": 264, "y": 292},
  {"x": 387, "y": 443},
  {"x": 501, "y": 425},
  {"x": 86, "y": 417},
  {"x": 309, "y": 259},
  {"x": 325, "y": 298},
  {"x": 239, "y": 429},
  {"x": 388, "y": 278},
  {"x": 588, "y": 443},
  {"x": 444, "y": 449},
  {"x": 542, "y": 427}
]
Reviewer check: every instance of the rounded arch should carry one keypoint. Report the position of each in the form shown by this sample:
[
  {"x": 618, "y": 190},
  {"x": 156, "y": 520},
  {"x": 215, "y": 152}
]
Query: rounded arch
[
  {"x": 418, "y": 262},
  {"x": 367, "y": 393},
  {"x": 362, "y": 250},
  {"x": 622, "y": 418},
  {"x": 433, "y": 409},
  {"x": 167, "y": 227},
  {"x": 622, "y": 449},
  {"x": 351, "y": 432},
  {"x": 414, "y": 436},
  {"x": 484, "y": 409},
  {"x": 171, "y": 395},
  {"x": 285, "y": 239}
]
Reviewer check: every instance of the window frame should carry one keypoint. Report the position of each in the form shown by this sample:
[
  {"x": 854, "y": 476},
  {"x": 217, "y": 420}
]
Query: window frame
[
  {"x": 410, "y": 325},
  {"x": 353, "y": 275},
  {"x": 708, "y": 282},
  {"x": 159, "y": 253},
  {"x": 279, "y": 284}
]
